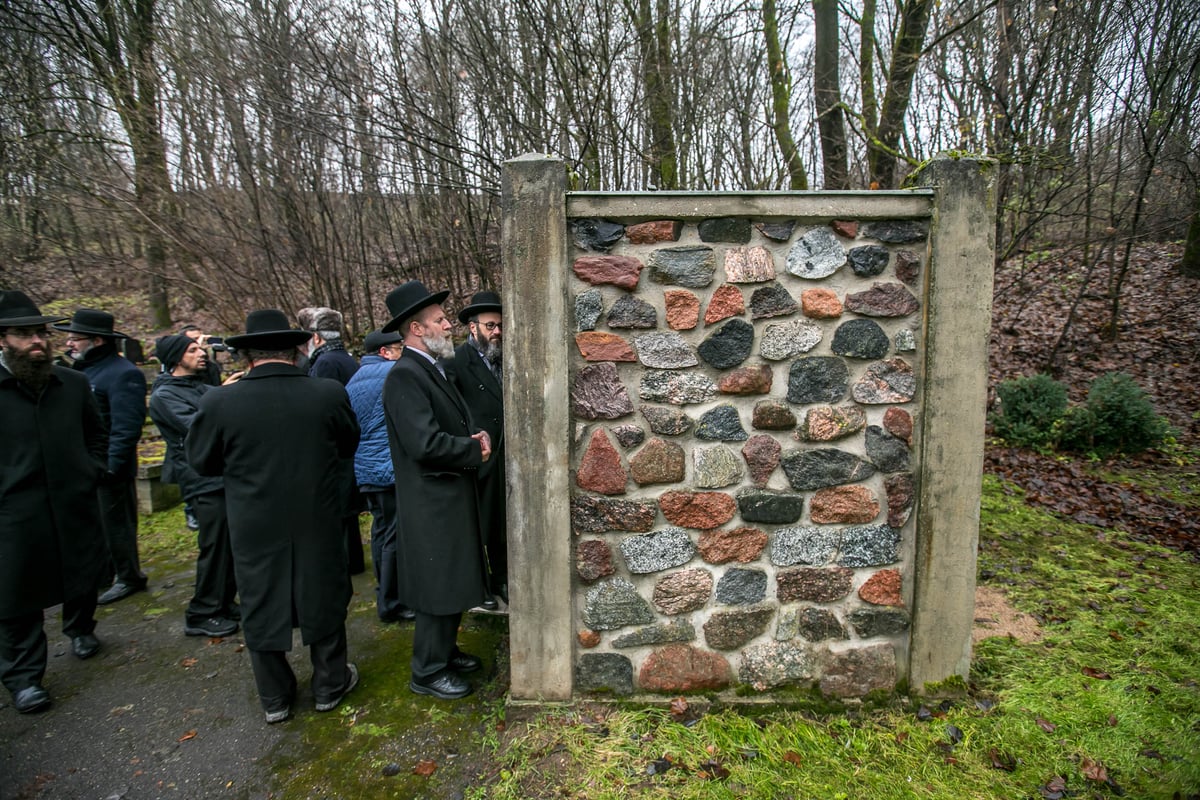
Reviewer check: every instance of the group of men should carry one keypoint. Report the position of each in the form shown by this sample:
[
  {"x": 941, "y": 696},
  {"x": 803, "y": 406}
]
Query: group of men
[{"x": 275, "y": 467}]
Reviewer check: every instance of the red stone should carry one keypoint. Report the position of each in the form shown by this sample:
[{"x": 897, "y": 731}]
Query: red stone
[
  {"x": 827, "y": 423},
  {"x": 747, "y": 380},
  {"x": 899, "y": 423},
  {"x": 727, "y": 301},
  {"x": 854, "y": 504},
  {"x": 680, "y": 668},
  {"x": 600, "y": 468},
  {"x": 740, "y": 544},
  {"x": 600, "y": 346},
  {"x": 593, "y": 560},
  {"x": 699, "y": 510},
  {"x": 663, "y": 230},
  {"x": 683, "y": 309},
  {"x": 899, "y": 488},
  {"x": 820, "y": 304},
  {"x": 882, "y": 588},
  {"x": 762, "y": 457},
  {"x": 847, "y": 228},
  {"x": 620, "y": 271},
  {"x": 588, "y": 639},
  {"x": 908, "y": 266}
]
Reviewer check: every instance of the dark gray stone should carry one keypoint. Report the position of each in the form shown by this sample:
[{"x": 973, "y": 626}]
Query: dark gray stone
[
  {"x": 593, "y": 514},
  {"x": 599, "y": 394},
  {"x": 664, "y": 351},
  {"x": 692, "y": 267},
  {"x": 729, "y": 630},
  {"x": 676, "y": 388},
  {"x": 632, "y": 312},
  {"x": 772, "y": 301},
  {"x": 776, "y": 231},
  {"x": 815, "y": 255},
  {"x": 731, "y": 230},
  {"x": 896, "y": 231},
  {"x": 613, "y": 604},
  {"x": 597, "y": 235},
  {"x": 868, "y": 622},
  {"x": 818, "y": 379},
  {"x": 628, "y": 435},
  {"x": 773, "y": 415},
  {"x": 721, "y": 424},
  {"x": 589, "y": 306},
  {"x": 883, "y": 300},
  {"x": 742, "y": 587},
  {"x": 815, "y": 624},
  {"x": 887, "y": 381},
  {"x": 775, "y": 508},
  {"x": 860, "y": 338},
  {"x": 869, "y": 546},
  {"x": 604, "y": 673},
  {"x": 815, "y": 469},
  {"x": 887, "y": 452},
  {"x": 657, "y": 551},
  {"x": 805, "y": 544},
  {"x": 666, "y": 421},
  {"x": 679, "y": 630},
  {"x": 868, "y": 261},
  {"x": 729, "y": 346}
]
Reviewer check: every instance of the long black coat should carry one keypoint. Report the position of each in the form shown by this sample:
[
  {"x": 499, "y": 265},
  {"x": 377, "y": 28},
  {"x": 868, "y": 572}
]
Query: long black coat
[
  {"x": 435, "y": 461},
  {"x": 485, "y": 399},
  {"x": 54, "y": 451},
  {"x": 277, "y": 437}
]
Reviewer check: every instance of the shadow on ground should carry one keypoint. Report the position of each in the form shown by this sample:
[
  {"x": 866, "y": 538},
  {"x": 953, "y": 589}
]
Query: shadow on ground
[{"x": 159, "y": 714}]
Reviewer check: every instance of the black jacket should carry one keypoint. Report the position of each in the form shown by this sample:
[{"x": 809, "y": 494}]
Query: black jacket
[
  {"x": 173, "y": 404},
  {"x": 120, "y": 389}
]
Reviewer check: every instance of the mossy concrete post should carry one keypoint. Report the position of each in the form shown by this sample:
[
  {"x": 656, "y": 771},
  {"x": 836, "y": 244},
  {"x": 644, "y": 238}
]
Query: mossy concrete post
[
  {"x": 957, "y": 322},
  {"x": 537, "y": 426}
]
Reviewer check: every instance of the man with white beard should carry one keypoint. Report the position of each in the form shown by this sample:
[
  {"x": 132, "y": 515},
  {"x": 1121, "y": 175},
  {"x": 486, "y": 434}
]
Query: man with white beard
[
  {"x": 436, "y": 453},
  {"x": 476, "y": 371}
]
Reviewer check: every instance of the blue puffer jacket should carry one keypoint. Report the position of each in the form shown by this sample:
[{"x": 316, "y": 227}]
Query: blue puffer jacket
[{"x": 373, "y": 460}]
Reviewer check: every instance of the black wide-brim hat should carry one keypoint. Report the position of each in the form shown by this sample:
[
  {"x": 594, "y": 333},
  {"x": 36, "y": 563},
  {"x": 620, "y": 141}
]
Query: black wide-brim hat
[
  {"x": 18, "y": 311},
  {"x": 407, "y": 299},
  {"x": 268, "y": 329},
  {"x": 91, "y": 322},
  {"x": 481, "y": 303}
]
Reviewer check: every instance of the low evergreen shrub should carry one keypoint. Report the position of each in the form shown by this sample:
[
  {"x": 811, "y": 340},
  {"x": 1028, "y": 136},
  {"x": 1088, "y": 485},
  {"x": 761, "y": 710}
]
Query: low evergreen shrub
[
  {"x": 1118, "y": 417},
  {"x": 1028, "y": 411}
]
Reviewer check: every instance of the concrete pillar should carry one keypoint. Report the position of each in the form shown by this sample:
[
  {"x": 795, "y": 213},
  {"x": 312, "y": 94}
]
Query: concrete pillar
[
  {"x": 957, "y": 322},
  {"x": 537, "y": 426}
]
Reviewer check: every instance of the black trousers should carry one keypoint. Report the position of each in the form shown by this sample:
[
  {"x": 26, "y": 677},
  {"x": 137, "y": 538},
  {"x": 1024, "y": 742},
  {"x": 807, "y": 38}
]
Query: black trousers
[
  {"x": 276, "y": 682},
  {"x": 216, "y": 586},
  {"x": 119, "y": 518},
  {"x": 23, "y": 650},
  {"x": 435, "y": 642},
  {"x": 384, "y": 556}
]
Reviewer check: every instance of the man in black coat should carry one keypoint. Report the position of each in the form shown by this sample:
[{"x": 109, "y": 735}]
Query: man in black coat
[
  {"x": 51, "y": 548},
  {"x": 120, "y": 389},
  {"x": 278, "y": 438},
  {"x": 475, "y": 370},
  {"x": 174, "y": 401},
  {"x": 436, "y": 451}
]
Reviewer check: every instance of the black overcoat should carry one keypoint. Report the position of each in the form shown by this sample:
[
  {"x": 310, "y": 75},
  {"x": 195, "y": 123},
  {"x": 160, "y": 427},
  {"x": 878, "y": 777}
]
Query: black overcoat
[
  {"x": 54, "y": 451},
  {"x": 277, "y": 437},
  {"x": 435, "y": 461},
  {"x": 485, "y": 399}
]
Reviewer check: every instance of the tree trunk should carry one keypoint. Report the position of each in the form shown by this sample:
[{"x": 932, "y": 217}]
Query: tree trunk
[
  {"x": 1191, "y": 248},
  {"x": 654, "y": 41},
  {"x": 827, "y": 92},
  {"x": 780, "y": 100},
  {"x": 882, "y": 148}
]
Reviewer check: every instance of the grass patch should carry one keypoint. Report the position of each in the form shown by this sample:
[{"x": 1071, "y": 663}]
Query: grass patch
[{"x": 1107, "y": 703}]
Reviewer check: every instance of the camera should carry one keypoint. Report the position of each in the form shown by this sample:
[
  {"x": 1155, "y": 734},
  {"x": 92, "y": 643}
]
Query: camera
[{"x": 216, "y": 343}]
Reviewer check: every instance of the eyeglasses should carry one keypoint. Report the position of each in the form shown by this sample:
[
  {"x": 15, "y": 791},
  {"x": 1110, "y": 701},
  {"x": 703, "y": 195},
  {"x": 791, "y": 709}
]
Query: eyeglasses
[
  {"x": 491, "y": 326},
  {"x": 29, "y": 333},
  {"x": 74, "y": 339}
]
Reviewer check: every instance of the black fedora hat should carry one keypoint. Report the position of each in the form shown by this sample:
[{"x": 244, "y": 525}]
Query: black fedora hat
[
  {"x": 407, "y": 299},
  {"x": 18, "y": 311},
  {"x": 481, "y": 303},
  {"x": 268, "y": 329},
  {"x": 91, "y": 322}
]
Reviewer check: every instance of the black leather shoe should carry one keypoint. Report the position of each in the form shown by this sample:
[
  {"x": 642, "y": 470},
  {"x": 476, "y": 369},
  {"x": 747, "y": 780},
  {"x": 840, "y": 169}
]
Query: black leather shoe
[
  {"x": 490, "y": 604},
  {"x": 214, "y": 627},
  {"x": 462, "y": 662},
  {"x": 85, "y": 646},
  {"x": 403, "y": 615},
  {"x": 30, "y": 699},
  {"x": 445, "y": 685},
  {"x": 118, "y": 591},
  {"x": 351, "y": 682}
]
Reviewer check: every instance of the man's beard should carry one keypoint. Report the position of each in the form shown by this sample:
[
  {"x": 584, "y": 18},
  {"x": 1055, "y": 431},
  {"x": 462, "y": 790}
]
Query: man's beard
[
  {"x": 33, "y": 372},
  {"x": 440, "y": 346},
  {"x": 491, "y": 350}
]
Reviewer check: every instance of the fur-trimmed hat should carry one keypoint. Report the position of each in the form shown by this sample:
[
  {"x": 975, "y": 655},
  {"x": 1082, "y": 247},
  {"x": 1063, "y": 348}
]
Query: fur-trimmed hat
[{"x": 319, "y": 318}]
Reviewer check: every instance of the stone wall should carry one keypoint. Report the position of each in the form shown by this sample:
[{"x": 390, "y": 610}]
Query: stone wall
[{"x": 746, "y": 391}]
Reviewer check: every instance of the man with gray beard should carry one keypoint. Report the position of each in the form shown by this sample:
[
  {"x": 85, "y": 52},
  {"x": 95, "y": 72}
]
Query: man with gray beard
[{"x": 476, "y": 371}]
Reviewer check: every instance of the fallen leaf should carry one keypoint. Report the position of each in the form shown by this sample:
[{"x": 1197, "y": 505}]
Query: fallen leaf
[
  {"x": 186, "y": 736},
  {"x": 1055, "y": 788},
  {"x": 713, "y": 771},
  {"x": 901, "y": 737},
  {"x": 679, "y": 706},
  {"x": 954, "y": 733},
  {"x": 793, "y": 758},
  {"x": 1093, "y": 770},
  {"x": 1112, "y": 720},
  {"x": 391, "y": 770},
  {"x": 189, "y": 662},
  {"x": 1097, "y": 674},
  {"x": 1002, "y": 760},
  {"x": 658, "y": 766},
  {"x": 1045, "y": 725},
  {"x": 924, "y": 714},
  {"x": 425, "y": 768}
]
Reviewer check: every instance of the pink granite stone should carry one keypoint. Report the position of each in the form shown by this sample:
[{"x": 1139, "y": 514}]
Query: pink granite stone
[
  {"x": 749, "y": 265},
  {"x": 882, "y": 588},
  {"x": 600, "y": 346},
  {"x": 827, "y": 423},
  {"x": 620, "y": 271},
  {"x": 899, "y": 488},
  {"x": 727, "y": 301},
  {"x": 762, "y": 457},
  {"x": 680, "y": 668},
  {"x": 683, "y": 591},
  {"x": 600, "y": 468},
  {"x": 593, "y": 560},
  {"x": 820, "y": 304},
  {"x": 899, "y": 423},
  {"x": 683, "y": 309},
  {"x": 699, "y": 510},
  {"x": 747, "y": 380},
  {"x": 659, "y": 461},
  {"x": 855, "y": 504},
  {"x": 740, "y": 544},
  {"x": 663, "y": 230}
]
